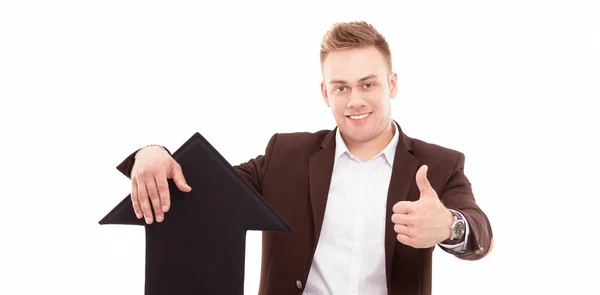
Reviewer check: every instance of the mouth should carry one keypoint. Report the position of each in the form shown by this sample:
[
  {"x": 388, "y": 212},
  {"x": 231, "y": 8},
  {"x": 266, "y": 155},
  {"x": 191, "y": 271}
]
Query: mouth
[{"x": 359, "y": 116}]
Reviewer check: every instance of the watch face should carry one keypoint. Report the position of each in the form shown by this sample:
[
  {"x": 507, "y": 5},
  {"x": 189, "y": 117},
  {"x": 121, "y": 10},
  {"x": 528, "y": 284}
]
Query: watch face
[{"x": 459, "y": 229}]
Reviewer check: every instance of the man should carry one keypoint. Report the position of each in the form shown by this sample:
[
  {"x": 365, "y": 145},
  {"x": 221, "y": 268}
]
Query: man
[{"x": 368, "y": 203}]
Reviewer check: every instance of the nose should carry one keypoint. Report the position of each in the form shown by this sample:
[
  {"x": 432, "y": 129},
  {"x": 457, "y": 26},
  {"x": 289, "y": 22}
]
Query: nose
[{"x": 355, "y": 100}]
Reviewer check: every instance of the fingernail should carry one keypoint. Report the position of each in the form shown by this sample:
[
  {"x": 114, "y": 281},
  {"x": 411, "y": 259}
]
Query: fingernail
[
  {"x": 138, "y": 215},
  {"x": 148, "y": 220},
  {"x": 165, "y": 207},
  {"x": 159, "y": 218}
]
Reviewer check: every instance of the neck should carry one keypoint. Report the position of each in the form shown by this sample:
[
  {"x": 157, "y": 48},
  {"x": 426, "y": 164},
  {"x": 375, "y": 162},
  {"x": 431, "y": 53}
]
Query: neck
[{"x": 368, "y": 149}]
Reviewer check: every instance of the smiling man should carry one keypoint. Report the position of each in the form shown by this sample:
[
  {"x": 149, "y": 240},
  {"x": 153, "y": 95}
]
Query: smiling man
[{"x": 368, "y": 203}]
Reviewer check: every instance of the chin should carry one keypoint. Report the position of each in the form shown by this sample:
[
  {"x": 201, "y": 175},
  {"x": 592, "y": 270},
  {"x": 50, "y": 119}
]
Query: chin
[{"x": 359, "y": 133}]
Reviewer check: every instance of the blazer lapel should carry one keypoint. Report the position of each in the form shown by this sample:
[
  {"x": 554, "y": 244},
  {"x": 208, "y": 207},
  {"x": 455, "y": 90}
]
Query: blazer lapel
[
  {"x": 320, "y": 167},
  {"x": 404, "y": 169}
]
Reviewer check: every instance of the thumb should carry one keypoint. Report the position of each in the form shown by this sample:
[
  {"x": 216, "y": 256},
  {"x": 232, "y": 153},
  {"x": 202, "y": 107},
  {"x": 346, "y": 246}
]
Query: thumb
[
  {"x": 179, "y": 179},
  {"x": 422, "y": 181}
]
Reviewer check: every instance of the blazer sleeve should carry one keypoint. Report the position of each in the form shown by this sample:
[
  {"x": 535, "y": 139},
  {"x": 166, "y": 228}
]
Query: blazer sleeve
[
  {"x": 252, "y": 171},
  {"x": 458, "y": 195}
]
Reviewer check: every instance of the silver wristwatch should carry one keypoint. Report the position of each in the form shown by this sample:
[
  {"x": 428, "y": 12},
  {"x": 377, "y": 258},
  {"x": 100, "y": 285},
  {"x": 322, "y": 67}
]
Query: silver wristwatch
[{"x": 457, "y": 229}]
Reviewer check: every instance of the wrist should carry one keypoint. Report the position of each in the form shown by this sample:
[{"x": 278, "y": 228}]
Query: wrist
[
  {"x": 150, "y": 146},
  {"x": 449, "y": 221}
]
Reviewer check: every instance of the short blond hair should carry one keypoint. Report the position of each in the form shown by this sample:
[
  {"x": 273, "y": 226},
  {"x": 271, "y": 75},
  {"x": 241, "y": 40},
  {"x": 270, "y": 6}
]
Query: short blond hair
[{"x": 356, "y": 34}]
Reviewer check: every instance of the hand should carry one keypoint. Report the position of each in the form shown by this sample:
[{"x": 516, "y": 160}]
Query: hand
[
  {"x": 152, "y": 167},
  {"x": 423, "y": 223}
]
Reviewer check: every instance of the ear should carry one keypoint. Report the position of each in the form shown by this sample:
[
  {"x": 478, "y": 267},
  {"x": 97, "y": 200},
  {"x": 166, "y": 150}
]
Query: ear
[
  {"x": 324, "y": 93},
  {"x": 393, "y": 85}
]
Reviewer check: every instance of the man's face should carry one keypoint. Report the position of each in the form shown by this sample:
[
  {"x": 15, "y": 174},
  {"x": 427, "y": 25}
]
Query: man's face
[{"x": 358, "y": 88}]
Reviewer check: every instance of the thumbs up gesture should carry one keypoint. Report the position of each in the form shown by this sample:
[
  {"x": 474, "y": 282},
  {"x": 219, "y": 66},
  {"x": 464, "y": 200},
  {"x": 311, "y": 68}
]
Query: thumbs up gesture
[{"x": 425, "y": 222}]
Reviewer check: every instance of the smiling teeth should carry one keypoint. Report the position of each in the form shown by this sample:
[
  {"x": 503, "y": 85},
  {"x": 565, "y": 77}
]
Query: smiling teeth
[{"x": 359, "y": 116}]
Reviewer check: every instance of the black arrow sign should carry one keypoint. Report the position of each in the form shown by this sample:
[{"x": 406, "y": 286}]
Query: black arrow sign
[{"x": 199, "y": 248}]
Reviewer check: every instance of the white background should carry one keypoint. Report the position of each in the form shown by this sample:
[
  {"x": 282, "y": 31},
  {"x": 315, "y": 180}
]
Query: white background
[{"x": 512, "y": 84}]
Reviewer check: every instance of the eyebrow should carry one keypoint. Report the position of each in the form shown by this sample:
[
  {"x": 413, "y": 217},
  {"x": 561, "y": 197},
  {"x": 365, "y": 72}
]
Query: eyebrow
[{"x": 336, "y": 81}]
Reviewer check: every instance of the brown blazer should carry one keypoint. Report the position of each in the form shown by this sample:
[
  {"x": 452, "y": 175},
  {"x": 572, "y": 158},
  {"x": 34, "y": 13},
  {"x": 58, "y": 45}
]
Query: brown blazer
[{"x": 294, "y": 174}]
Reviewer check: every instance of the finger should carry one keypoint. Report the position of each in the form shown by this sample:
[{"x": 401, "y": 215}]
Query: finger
[
  {"x": 179, "y": 179},
  {"x": 404, "y": 207},
  {"x": 134, "y": 199},
  {"x": 144, "y": 201},
  {"x": 405, "y": 219},
  {"x": 403, "y": 230},
  {"x": 404, "y": 239},
  {"x": 163, "y": 191},
  {"x": 154, "y": 198},
  {"x": 423, "y": 182}
]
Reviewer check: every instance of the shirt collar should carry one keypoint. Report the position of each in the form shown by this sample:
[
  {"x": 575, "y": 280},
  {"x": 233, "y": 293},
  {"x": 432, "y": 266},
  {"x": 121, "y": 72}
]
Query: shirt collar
[{"x": 388, "y": 152}]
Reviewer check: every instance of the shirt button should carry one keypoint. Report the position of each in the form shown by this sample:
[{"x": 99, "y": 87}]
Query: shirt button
[{"x": 299, "y": 285}]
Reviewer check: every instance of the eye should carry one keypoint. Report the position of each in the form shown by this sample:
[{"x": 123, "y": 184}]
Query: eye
[
  {"x": 340, "y": 89},
  {"x": 368, "y": 85}
]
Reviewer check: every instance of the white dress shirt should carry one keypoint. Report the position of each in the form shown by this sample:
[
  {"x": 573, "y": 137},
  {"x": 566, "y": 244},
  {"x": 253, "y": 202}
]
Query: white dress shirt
[{"x": 350, "y": 254}]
